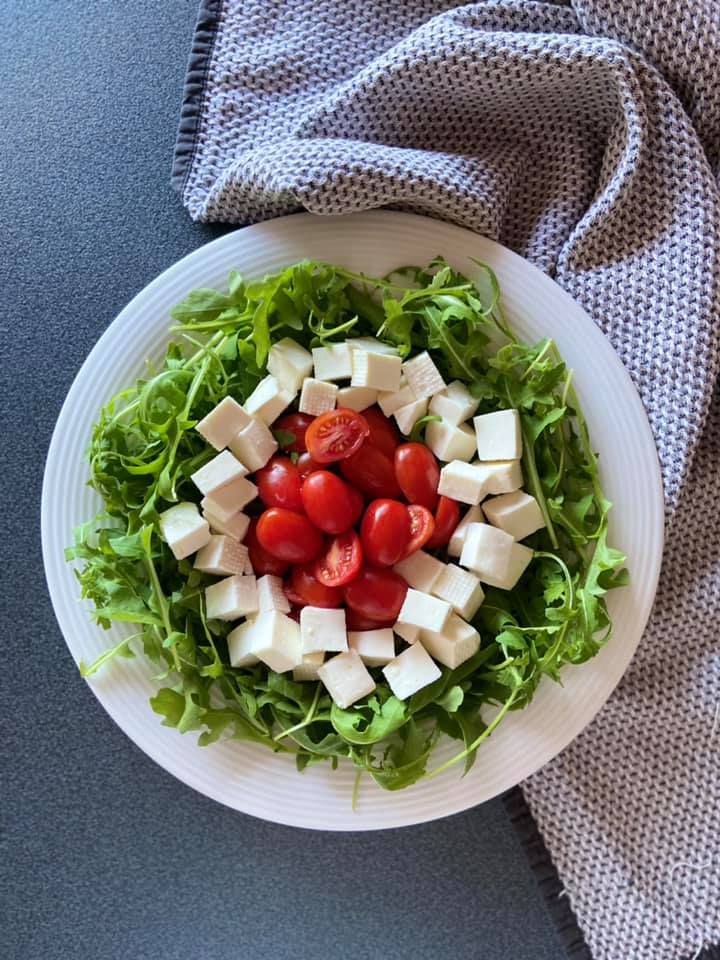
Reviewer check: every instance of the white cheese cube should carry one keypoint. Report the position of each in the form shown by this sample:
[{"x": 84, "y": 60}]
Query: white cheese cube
[
  {"x": 217, "y": 509},
  {"x": 268, "y": 400},
  {"x": 421, "y": 610},
  {"x": 460, "y": 589},
  {"x": 183, "y": 529},
  {"x": 233, "y": 496},
  {"x": 420, "y": 570},
  {"x": 423, "y": 376},
  {"x": 520, "y": 557},
  {"x": 487, "y": 551},
  {"x": 391, "y": 400},
  {"x": 376, "y": 370},
  {"x": 450, "y": 442},
  {"x": 221, "y": 556},
  {"x": 412, "y": 670},
  {"x": 217, "y": 472},
  {"x": 461, "y": 481},
  {"x": 407, "y": 632},
  {"x": 516, "y": 513},
  {"x": 374, "y": 647},
  {"x": 346, "y": 679},
  {"x": 231, "y": 598},
  {"x": 278, "y": 641},
  {"x": 498, "y": 435},
  {"x": 234, "y": 526},
  {"x": 356, "y": 398},
  {"x": 222, "y": 423},
  {"x": 500, "y": 476},
  {"x": 249, "y": 571},
  {"x": 457, "y": 643},
  {"x": 317, "y": 397},
  {"x": 254, "y": 445},
  {"x": 289, "y": 363},
  {"x": 371, "y": 345},
  {"x": 474, "y": 515},
  {"x": 308, "y": 667},
  {"x": 322, "y": 629},
  {"x": 455, "y": 403},
  {"x": 242, "y": 643},
  {"x": 271, "y": 595},
  {"x": 407, "y": 417},
  {"x": 333, "y": 362}
]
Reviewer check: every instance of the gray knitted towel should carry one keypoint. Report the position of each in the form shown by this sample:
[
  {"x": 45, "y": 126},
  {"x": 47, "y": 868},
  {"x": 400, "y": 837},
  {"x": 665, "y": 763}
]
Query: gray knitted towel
[{"x": 585, "y": 137}]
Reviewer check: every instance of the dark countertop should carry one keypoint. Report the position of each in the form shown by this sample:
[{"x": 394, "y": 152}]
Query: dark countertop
[{"x": 104, "y": 854}]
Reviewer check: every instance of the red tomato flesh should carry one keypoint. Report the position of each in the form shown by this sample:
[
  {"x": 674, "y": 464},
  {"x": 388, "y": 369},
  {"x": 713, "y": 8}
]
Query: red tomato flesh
[
  {"x": 447, "y": 517},
  {"x": 262, "y": 561},
  {"x": 418, "y": 474},
  {"x": 341, "y": 561},
  {"x": 422, "y": 526},
  {"x": 279, "y": 484},
  {"x": 385, "y": 532},
  {"x": 296, "y": 424},
  {"x": 383, "y": 433},
  {"x": 371, "y": 471},
  {"x": 376, "y": 594},
  {"x": 335, "y": 435},
  {"x": 288, "y": 535},
  {"x": 329, "y": 502},
  {"x": 305, "y": 589}
]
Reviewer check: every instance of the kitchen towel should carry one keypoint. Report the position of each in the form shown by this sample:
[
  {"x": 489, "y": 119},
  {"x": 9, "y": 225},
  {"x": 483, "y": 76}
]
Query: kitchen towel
[{"x": 585, "y": 136}]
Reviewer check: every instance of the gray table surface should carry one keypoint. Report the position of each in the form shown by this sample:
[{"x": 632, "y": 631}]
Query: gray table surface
[{"x": 104, "y": 855}]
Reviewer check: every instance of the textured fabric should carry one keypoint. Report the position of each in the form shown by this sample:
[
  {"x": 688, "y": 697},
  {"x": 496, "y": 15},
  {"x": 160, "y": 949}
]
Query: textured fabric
[{"x": 586, "y": 137}]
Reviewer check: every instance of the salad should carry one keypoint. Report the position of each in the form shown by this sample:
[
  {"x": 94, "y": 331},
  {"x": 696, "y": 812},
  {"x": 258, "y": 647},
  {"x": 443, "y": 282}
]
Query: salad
[{"x": 349, "y": 515}]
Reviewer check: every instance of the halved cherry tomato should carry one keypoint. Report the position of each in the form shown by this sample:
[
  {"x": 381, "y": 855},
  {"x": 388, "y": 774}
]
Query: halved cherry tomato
[
  {"x": 418, "y": 474},
  {"x": 383, "y": 433},
  {"x": 288, "y": 535},
  {"x": 422, "y": 526},
  {"x": 262, "y": 561},
  {"x": 296, "y": 424},
  {"x": 376, "y": 594},
  {"x": 385, "y": 532},
  {"x": 371, "y": 471},
  {"x": 335, "y": 435},
  {"x": 356, "y": 621},
  {"x": 279, "y": 484},
  {"x": 341, "y": 561},
  {"x": 447, "y": 517},
  {"x": 306, "y": 465},
  {"x": 305, "y": 589},
  {"x": 329, "y": 502}
]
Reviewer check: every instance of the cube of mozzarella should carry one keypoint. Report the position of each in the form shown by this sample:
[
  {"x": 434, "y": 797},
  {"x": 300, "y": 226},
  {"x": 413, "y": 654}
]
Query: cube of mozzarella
[
  {"x": 346, "y": 678},
  {"x": 457, "y": 643},
  {"x": 454, "y": 404},
  {"x": 317, "y": 396},
  {"x": 420, "y": 570},
  {"x": 407, "y": 417},
  {"x": 423, "y": 376},
  {"x": 520, "y": 557},
  {"x": 333, "y": 362},
  {"x": 516, "y": 513},
  {"x": 308, "y": 667},
  {"x": 254, "y": 445},
  {"x": 222, "y": 423},
  {"x": 233, "y": 496},
  {"x": 500, "y": 476},
  {"x": 391, "y": 400},
  {"x": 242, "y": 643},
  {"x": 412, "y": 670},
  {"x": 322, "y": 629},
  {"x": 271, "y": 595},
  {"x": 217, "y": 472},
  {"x": 461, "y": 481},
  {"x": 376, "y": 370},
  {"x": 234, "y": 526},
  {"x": 371, "y": 345},
  {"x": 498, "y": 435},
  {"x": 183, "y": 529},
  {"x": 268, "y": 400},
  {"x": 421, "y": 610},
  {"x": 278, "y": 641},
  {"x": 450, "y": 442},
  {"x": 231, "y": 598},
  {"x": 290, "y": 363},
  {"x": 474, "y": 515},
  {"x": 356, "y": 398},
  {"x": 221, "y": 556},
  {"x": 406, "y": 632},
  {"x": 487, "y": 552},
  {"x": 460, "y": 589},
  {"x": 374, "y": 647}
]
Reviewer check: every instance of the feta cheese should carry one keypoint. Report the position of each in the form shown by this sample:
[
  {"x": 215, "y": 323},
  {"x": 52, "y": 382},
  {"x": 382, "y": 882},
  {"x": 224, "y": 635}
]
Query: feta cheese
[
  {"x": 516, "y": 513},
  {"x": 487, "y": 551},
  {"x": 460, "y": 589},
  {"x": 231, "y": 598},
  {"x": 371, "y": 345},
  {"x": 217, "y": 472},
  {"x": 500, "y": 476},
  {"x": 242, "y": 643},
  {"x": 231, "y": 497},
  {"x": 235, "y": 526},
  {"x": 222, "y": 423},
  {"x": 308, "y": 667},
  {"x": 406, "y": 417},
  {"x": 374, "y": 647},
  {"x": 420, "y": 570},
  {"x": 217, "y": 509},
  {"x": 254, "y": 445},
  {"x": 474, "y": 515},
  {"x": 454, "y": 404},
  {"x": 457, "y": 643},
  {"x": 498, "y": 435},
  {"x": 317, "y": 396},
  {"x": 421, "y": 610},
  {"x": 391, "y": 400},
  {"x": 221, "y": 555},
  {"x": 423, "y": 376},
  {"x": 268, "y": 400},
  {"x": 520, "y": 557},
  {"x": 183, "y": 529},
  {"x": 333, "y": 362},
  {"x": 376, "y": 370},
  {"x": 412, "y": 670},
  {"x": 406, "y": 632},
  {"x": 461, "y": 481},
  {"x": 271, "y": 595},
  {"x": 356, "y": 398},
  {"x": 346, "y": 678},
  {"x": 450, "y": 442},
  {"x": 278, "y": 641},
  {"x": 289, "y": 363},
  {"x": 322, "y": 629}
]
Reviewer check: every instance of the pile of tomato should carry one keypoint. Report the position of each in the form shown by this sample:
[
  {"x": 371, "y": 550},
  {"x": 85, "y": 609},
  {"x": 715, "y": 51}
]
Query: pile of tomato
[{"x": 346, "y": 501}]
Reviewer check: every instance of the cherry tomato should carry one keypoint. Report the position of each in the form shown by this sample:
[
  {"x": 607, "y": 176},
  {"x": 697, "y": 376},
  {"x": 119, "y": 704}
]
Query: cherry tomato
[
  {"x": 305, "y": 589},
  {"x": 376, "y": 594},
  {"x": 296, "y": 424},
  {"x": 279, "y": 484},
  {"x": 262, "y": 561},
  {"x": 447, "y": 517},
  {"x": 335, "y": 435},
  {"x": 306, "y": 465},
  {"x": 341, "y": 561},
  {"x": 329, "y": 502},
  {"x": 288, "y": 535},
  {"x": 383, "y": 433},
  {"x": 422, "y": 526},
  {"x": 356, "y": 621},
  {"x": 371, "y": 471},
  {"x": 385, "y": 532},
  {"x": 418, "y": 474}
]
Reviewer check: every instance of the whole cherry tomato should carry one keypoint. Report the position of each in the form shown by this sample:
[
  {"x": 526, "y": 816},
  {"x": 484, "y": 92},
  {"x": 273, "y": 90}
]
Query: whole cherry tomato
[
  {"x": 296, "y": 424},
  {"x": 356, "y": 621},
  {"x": 306, "y": 465},
  {"x": 447, "y": 517},
  {"x": 262, "y": 561},
  {"x": 279, "y": 484},
  {"x": 371, "y": 471},
  {"x": 385, "y": 532},
  {"x": 288, "y": 535},
  {"x": 422, "y": 526},
  {"x": 341, "y": 561},
  {"x": 304, "y": 589},
  {"x": 418, "y": 474},
  {"x": 383, "y": 433},
  {"x": 330, "y": 502},
  {"x": 376, "y": 594},
  {"x": 335, "y": 435}
]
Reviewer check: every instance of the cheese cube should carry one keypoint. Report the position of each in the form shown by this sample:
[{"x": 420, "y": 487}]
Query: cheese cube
[
  {"x": 222, "y": 423},
  {"x": 242, "y": 643},
  {"x": 231, "y": 598},
  {"x": 333, "y": 362},
  {"x": 454, "y": 404},
  {"x": 231, "y": 497},
  {"x": 500, "y": 476},
  {"x": 421, "y": 610},
  {"x": 450, "y": 442},
  {"x": 412, "y": 670},
  {"x": 317, "y": 396},
  {"x": 474, "y": 515},
  {"x": 254, "y": 445},
  {"x": 278, "y": 641},
  {"x": 268, "y": 400},
  {"x": 217, "y": 509},
  {"x": 183, "y": 529},
  {"x": 516, "y": 513},
  {"x": 487, "y": 551},
  {"x": 222, "y": 555},
  {"x": 498, "y": 435},
  {"x": 408, "y": 633},
  {"x": 375, "y": 647},
  {"x": 249, "y": 569},
  {"x": 271, "y": 595},
  {"x": 457, "y": 643},
  {"x": 217, "y": 472},
  {"x": 346, "y": 679},
  {"x": 289, "y": 363},
  {"x": 461, "y": 481},
  {"x": 235, "y": 526},
  {"x": 460, "y": 589},
  {"x": 520, "y": 557},
  {"x": 391, "y": 400},
  {"x": 423, "y": 376},
  {"x": 356, "y": 398},
  {"x": 371, "y": 345},
  {"x": 407, "y": 417},
  {"x": 376, "y": 370},
  {"x": 420, "y": 570},
  {"x": 308, "y": 667},
  {"x": 322, "y": 629}
]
